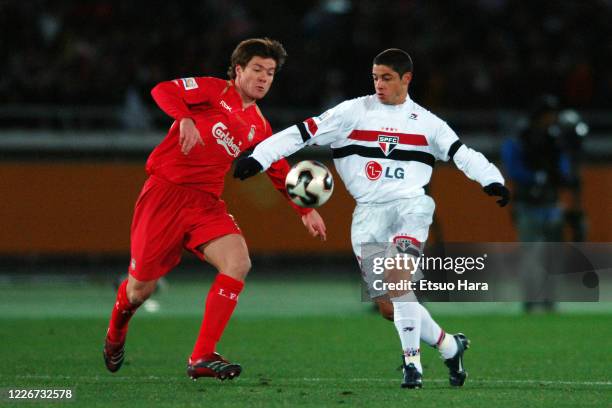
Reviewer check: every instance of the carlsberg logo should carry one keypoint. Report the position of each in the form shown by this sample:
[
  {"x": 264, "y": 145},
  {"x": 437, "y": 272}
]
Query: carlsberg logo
[{"x": 219, "y": 131}]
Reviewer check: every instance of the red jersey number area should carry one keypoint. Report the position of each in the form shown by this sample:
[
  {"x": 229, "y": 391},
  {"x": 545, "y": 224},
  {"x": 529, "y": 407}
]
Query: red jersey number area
[{"x": 168, "y": 218}]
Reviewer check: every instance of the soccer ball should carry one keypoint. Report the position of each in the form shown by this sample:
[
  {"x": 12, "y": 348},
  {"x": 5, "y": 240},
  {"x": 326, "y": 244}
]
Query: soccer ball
[{"x": 309, "y": 184}]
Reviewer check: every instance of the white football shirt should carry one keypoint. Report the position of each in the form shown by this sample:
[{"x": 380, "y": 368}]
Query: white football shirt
[{"x": 382, "y": 152}]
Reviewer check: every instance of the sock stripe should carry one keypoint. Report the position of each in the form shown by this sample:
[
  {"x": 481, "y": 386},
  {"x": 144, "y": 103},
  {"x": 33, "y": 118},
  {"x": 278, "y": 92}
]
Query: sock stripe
[
  {"x": 412, "y": 352},
  {"x": 441, "y": 338}
]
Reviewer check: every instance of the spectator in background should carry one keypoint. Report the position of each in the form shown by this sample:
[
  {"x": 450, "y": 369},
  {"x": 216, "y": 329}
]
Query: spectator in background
[
  {"x": 135, "y": 115},
  {"x": 54, "y": 53},
  {"x": 542, "y": 162}
]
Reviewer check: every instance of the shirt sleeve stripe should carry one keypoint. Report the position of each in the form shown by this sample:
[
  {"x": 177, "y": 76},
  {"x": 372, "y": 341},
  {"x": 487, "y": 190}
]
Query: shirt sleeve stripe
[
  {"x": 312, "y": 126},
  {"x": 453, "y": 149},
  {"x": 303, "y": 132}
]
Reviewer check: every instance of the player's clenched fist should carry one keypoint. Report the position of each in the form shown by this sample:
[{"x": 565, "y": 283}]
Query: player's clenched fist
[
  {"x": 247, "y": 167},
  {"x": 499, "y": 190},
  {"x": 189, "y": 135}
]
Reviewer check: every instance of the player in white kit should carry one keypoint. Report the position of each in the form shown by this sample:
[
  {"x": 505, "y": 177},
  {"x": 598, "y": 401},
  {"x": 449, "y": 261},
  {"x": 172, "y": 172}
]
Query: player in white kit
[{"x": 384, "y": 148}]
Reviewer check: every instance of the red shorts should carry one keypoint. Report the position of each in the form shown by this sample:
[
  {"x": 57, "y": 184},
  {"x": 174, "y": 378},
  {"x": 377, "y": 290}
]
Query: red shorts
[{"x": 168, "y": 218}]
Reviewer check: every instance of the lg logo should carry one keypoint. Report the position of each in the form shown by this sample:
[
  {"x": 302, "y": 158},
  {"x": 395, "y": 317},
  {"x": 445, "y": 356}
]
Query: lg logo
[
  {"x": 374, "y": 171},
  {"x": 398, "y": 173}
]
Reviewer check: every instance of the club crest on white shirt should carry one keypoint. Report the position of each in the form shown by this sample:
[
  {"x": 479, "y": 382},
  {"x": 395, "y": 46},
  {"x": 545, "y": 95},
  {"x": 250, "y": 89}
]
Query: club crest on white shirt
[{"x": 387, "y": 143}]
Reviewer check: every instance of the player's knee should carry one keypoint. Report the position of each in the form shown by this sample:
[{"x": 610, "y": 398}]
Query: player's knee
[
  {"x": 238, "y": 268},
  {"x": 138, "y": 295},
  {"x": 243, "y": 266},
  {"x": 386, "y": 310}
]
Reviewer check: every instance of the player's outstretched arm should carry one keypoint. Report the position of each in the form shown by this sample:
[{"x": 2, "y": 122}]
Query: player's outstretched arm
[
  {"x": 476, "y": 166},
  {"x": 471, "y": 162},
  {"x": 269, "y": 151},
  {"x": 320, "y": 130}
]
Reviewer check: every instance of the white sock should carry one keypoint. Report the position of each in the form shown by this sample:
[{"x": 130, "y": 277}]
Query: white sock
[
  {"x": 407, "y": 321},
  {"x": 430, "y": 330},
  {"x": 432, "y": 334},
  {"x": 448, "y": 347}
]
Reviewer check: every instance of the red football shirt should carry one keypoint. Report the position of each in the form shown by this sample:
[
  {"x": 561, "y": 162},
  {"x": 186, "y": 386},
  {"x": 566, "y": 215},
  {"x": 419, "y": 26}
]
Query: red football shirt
[{"x": 225, "y": 128}]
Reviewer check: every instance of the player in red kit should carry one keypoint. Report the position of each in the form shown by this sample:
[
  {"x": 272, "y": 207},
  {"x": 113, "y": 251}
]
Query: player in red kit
[{"x": 179, "y": 206}]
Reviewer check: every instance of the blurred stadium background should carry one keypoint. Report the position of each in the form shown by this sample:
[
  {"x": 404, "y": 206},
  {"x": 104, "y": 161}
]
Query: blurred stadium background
[{"x": 77, "y": 123}]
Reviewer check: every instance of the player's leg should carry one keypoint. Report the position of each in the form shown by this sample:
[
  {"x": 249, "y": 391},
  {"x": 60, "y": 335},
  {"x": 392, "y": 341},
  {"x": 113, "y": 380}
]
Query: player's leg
[
  {"x": 431, "y": 332},
  {"x": 407, "y": 229},
  {"x": 229, "y": 255},
  {"x": 156, "y": 245},
  {"x": 433, "y": 335},
  {"x": 451, "y": 347},
  {"x": 416, "y": 219},
  {"x": 370, "y": 237},
  {"x": 130, "y": 295},
  {"x": 406, "y": 318}
]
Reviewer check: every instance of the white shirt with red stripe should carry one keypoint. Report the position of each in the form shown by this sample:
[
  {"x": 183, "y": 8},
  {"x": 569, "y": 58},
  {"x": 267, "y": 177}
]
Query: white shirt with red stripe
[{"x": 382, "y": 152}]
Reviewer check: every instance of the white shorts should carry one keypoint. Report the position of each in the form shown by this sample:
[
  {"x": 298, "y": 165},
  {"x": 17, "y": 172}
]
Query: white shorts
[{"x": 404, "y": 223}]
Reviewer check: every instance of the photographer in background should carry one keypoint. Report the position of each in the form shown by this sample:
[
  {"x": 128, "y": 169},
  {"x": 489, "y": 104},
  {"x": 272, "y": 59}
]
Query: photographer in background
[{"x": 543, "y": 163}]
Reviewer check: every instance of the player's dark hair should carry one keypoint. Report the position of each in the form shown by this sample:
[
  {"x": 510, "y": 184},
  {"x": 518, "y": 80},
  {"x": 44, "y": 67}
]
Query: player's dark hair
[
  {"x": 256, "y": 47},
  {"x": 398, "y": 60}
]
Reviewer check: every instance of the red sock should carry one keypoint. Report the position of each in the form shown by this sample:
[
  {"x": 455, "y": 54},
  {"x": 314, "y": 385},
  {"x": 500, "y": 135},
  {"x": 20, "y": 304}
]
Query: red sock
[
  {"x": 122, "y": 312},
  {"x": 220, "y": 304}
]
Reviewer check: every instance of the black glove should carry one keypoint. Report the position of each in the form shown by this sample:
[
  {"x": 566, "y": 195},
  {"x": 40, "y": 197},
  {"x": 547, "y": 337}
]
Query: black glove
[
  {"x": 499, "y": 190},
  {"x": 247, "y": 167}
]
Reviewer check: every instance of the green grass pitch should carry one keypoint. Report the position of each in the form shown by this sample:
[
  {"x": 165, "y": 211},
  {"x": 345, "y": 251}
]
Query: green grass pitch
[{"x": 301, "y": 343}]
